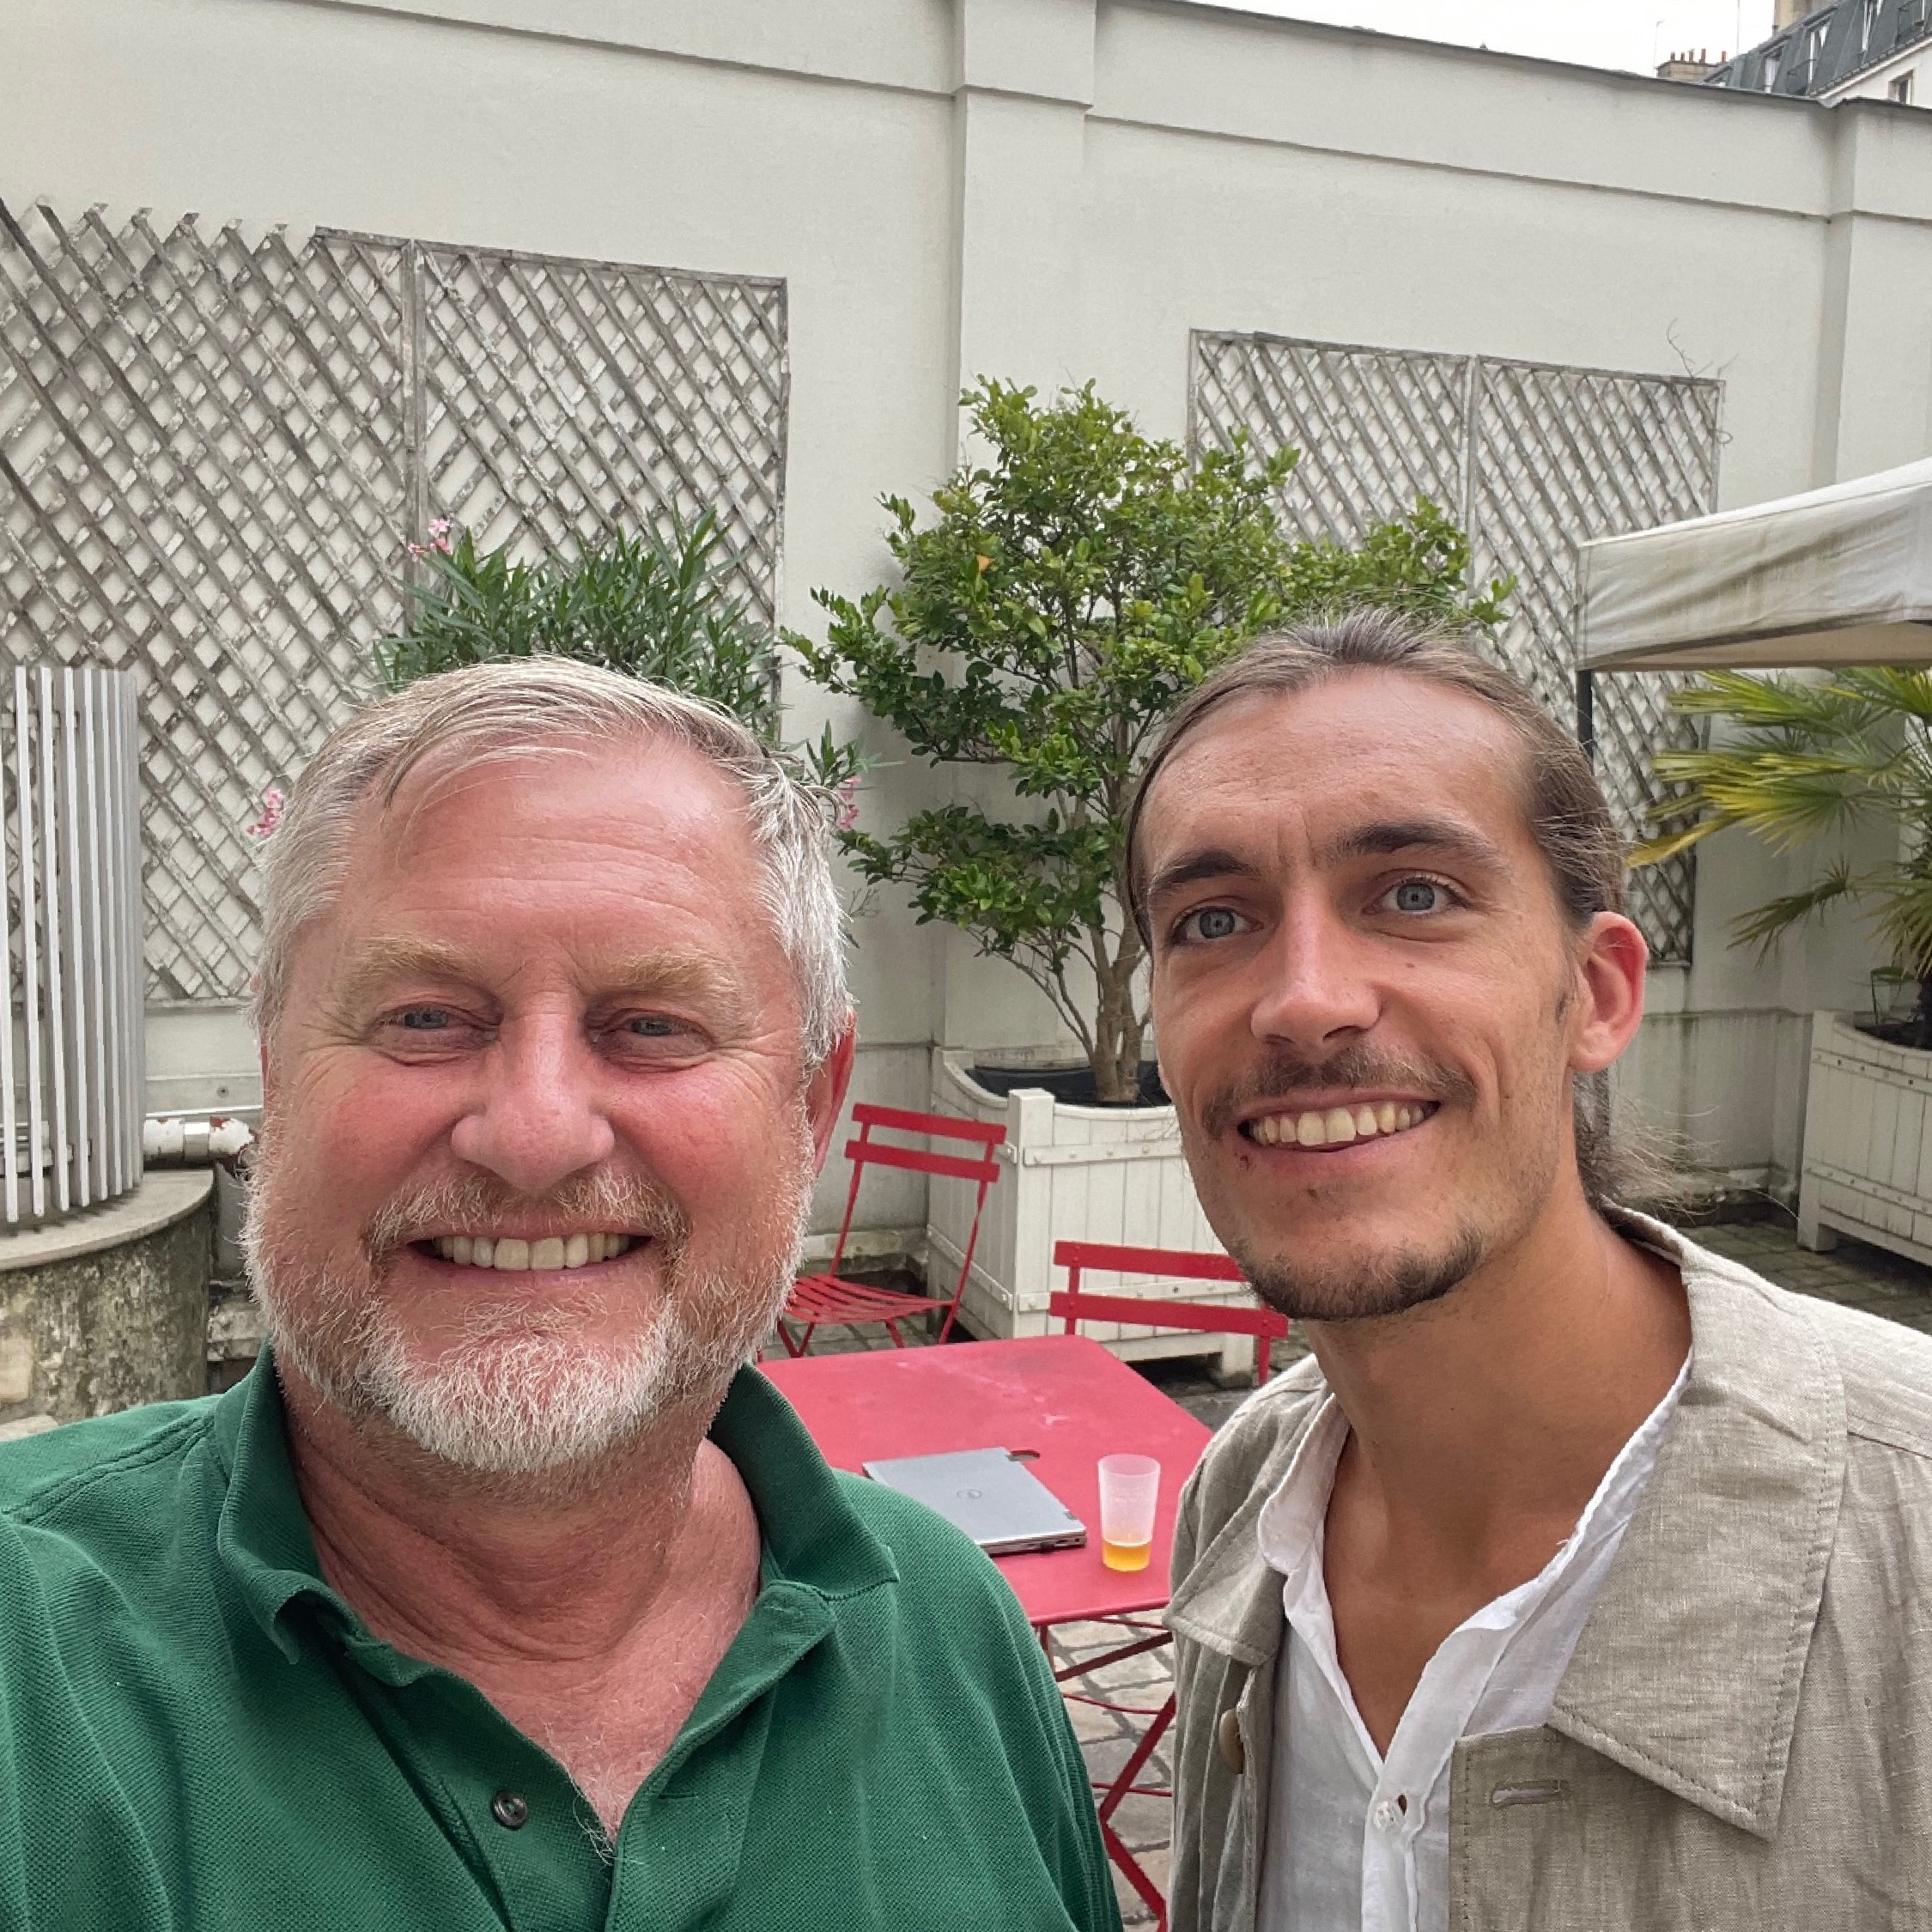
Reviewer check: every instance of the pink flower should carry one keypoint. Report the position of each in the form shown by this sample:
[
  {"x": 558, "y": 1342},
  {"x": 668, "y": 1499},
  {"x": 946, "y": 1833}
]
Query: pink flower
[
  {"x": 272, "y": 803},
  {"x": 439, "y": 528},
  {"x": 846, "y": 814}
]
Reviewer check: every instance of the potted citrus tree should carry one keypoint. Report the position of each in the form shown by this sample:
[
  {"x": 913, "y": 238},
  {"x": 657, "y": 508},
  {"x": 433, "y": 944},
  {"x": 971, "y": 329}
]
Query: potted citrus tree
[
  {"x": 1806, "y": 761},
  {"x": 1071, "y": 584}
]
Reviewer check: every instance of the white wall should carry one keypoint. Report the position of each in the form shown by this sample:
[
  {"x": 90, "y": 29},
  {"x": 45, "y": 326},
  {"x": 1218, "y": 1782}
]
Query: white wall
[{"x": 1053, "y": 189}]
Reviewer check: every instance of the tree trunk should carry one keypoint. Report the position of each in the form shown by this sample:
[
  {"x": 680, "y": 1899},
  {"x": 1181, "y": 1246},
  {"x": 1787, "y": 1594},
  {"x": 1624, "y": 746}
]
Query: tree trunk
[{"x": 1119, "y": 1029}]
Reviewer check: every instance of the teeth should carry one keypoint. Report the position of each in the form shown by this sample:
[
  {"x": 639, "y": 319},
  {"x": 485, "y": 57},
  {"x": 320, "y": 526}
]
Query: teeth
[
  {"x": 1332, "y": 1127},
  {"x": 511, "y": 1255}
]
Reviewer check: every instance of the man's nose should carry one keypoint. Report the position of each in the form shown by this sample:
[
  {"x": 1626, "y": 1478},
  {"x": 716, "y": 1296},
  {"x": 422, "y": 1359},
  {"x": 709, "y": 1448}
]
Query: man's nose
[
  {"x": 539, "y": 1116},
  {"x": 1317, "y": 992}
]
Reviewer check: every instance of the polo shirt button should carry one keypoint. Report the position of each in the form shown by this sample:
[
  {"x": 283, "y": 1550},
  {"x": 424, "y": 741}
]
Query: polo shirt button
[
  {"x": 511, "y": 1809},
  {"x": 1387, "y": 1816}
]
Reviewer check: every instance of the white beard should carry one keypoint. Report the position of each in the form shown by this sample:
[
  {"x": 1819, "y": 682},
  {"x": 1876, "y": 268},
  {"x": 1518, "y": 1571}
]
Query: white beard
[{"x": 524, "y": 1392}]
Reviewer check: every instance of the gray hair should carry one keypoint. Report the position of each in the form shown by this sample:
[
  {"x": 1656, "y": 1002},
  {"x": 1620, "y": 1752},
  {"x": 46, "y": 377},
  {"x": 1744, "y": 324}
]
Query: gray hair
[{"x": 485, "y": 712}]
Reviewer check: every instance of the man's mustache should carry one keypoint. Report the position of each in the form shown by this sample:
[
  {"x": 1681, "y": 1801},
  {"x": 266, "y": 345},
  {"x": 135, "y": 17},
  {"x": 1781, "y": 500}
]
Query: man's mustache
[
  {"x": 1281, "y": 1076},
  {"x": 620, "y": 1203}
]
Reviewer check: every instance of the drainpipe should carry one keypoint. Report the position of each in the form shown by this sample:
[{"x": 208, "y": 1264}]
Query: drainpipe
[{"x": 170, "y": 1141}]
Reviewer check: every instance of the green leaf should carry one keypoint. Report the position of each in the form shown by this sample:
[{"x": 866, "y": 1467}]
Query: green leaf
[{"x": 1074, "y": 581}]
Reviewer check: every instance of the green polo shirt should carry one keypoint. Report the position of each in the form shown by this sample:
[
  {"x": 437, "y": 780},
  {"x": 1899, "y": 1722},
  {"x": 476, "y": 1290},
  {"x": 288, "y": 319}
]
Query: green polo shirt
[{"x": 197, "y": 1734}]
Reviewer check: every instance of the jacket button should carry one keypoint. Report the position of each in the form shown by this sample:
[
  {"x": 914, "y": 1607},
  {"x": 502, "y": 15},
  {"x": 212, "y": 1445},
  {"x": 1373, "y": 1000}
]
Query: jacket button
[
  {"x": 1227, "y": 1736},
  {"x": 511, "y": 1809}
]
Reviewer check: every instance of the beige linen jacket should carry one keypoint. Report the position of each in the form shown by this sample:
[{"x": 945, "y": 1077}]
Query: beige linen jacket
[{"x": 1743, "y": 1738}]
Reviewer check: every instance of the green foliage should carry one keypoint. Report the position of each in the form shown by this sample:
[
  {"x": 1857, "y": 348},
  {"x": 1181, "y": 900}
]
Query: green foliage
[
  {"x": 647, "y": 608},
  {"x": 1810, "y": 760},
  {"x": 1072, "y": 587}
]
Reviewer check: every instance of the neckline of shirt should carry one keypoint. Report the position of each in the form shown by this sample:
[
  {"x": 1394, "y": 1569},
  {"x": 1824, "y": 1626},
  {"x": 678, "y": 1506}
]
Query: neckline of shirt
[{"x": 1291, "y": 1529}]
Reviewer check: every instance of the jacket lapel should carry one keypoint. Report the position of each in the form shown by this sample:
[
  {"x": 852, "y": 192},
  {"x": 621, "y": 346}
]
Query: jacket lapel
[
  {"x": 1229, "y": 1601},
  {"x": 1689, "y": 1669}
]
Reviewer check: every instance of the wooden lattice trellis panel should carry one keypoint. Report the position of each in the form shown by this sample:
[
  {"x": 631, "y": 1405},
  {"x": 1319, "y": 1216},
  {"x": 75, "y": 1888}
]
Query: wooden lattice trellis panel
[
  {"x": 1530, "y": 458},
  {"x": 214, "y": 449}
]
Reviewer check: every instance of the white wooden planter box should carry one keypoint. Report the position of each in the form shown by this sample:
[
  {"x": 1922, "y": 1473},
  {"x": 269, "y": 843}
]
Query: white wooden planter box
[
  {"x": 1112, "y": 1173},
  {"x": 1868, "y": 1159}
]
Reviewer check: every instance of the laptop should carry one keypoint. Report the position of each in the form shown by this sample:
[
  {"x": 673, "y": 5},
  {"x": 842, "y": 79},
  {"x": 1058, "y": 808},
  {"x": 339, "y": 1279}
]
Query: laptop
[{"x": 995, "y": 1498}]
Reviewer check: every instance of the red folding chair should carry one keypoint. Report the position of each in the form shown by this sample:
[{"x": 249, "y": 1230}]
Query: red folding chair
[
  {"x": 828, "y": 1300},
  {"x": 1149, "y": 1311}
]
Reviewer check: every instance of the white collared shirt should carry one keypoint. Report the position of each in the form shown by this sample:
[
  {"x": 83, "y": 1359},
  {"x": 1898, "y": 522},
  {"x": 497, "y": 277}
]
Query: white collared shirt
[{"x": 1356, "y": 1840}]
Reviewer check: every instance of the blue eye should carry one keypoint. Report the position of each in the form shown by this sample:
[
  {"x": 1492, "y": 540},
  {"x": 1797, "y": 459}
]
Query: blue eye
[
  {"x": 423, "y": 1019},
  {"x": 650, "y": 1026},
  {"x": 1214, "y": 922},
  {"x": 1417, "y": 896}
]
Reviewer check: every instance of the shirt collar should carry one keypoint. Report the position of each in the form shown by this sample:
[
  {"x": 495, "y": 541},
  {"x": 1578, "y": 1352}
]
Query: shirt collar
[
  {"x": 814, "y": 1540},
  {"x": 1292, "y": 1527},
  {"x": 1721, "y": 1573}
]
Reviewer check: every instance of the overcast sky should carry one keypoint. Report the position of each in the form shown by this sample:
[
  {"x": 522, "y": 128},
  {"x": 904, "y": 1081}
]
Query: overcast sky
[{"x": 1632, "y": 33}]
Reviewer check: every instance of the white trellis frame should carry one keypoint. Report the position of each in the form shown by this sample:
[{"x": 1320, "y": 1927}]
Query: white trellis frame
[
  {"x": 1530, "y": 458},
  {"x": 216, "y": 447}
]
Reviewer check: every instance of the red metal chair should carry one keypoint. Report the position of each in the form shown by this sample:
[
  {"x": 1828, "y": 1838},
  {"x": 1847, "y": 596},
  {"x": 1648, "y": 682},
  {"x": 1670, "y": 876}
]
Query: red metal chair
[
  {"x": 1149, "y": 1311},
  {"x": 827, "y": 1301}
]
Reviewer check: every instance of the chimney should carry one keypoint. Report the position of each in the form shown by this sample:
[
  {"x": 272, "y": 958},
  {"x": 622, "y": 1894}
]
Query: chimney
[{"x": 1688, "y": 66}]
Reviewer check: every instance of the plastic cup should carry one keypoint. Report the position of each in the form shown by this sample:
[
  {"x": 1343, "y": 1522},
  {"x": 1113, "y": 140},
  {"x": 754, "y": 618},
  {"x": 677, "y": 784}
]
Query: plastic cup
[{"x": 1128, "y": 1487}]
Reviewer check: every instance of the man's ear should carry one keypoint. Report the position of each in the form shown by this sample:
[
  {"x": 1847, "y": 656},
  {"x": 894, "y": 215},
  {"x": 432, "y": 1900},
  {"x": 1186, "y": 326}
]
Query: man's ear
[
  {"x": 1610, "y": 971},
  {"x": 825, "y": 1091}
]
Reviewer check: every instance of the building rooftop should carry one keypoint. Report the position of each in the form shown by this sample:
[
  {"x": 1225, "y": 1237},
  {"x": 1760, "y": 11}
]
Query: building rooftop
[{"x": 1830, "y": 46}]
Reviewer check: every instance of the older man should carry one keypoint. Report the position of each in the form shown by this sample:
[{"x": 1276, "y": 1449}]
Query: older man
[
  {"x": 1581, "y": 1580},
  {"x": 507, "y": 1596}
]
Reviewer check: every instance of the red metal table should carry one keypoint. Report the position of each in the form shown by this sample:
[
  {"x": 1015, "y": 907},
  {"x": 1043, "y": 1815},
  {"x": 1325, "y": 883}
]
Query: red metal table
[{"x": 1068, "y": 1401}]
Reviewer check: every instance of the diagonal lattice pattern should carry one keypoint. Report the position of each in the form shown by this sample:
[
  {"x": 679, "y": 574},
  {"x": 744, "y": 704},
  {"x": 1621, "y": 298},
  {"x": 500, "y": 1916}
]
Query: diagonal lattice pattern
[
  {"x": 1374, "y": 428},
  {"x": 1560, "y": 455},
  {"x": 563, "y": 396},
  {"x": 1531, "y": 459},
  {"x": 214, "y": 448}
]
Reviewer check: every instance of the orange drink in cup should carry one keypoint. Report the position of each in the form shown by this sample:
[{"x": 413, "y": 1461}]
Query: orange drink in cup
[{"x": 1129, "y": 1486}]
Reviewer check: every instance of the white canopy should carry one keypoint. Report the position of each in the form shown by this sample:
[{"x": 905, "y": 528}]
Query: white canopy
[{"x": 1841, "y": 575}]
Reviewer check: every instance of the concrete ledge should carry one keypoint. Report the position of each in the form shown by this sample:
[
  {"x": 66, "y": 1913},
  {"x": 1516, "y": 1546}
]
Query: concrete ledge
[
  {"x": 165, "y": 1196},
  {"x": 110, "y": 1309}
]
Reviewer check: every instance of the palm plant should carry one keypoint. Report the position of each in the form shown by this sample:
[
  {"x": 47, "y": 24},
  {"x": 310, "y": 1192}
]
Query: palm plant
[{"x": 1812, "y": 760}]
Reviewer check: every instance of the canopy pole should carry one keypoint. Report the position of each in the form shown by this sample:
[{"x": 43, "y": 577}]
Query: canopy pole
[{"x": 1586, "y": 713}]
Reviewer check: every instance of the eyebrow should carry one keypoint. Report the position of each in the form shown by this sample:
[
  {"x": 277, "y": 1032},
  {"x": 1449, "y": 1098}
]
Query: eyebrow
[
  {"x": 1382, "y": 840},
  {"x": 1213, "y": 861},
  {"x": 1446, "y": 835},
  {"x": 663, "y": 972}
]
